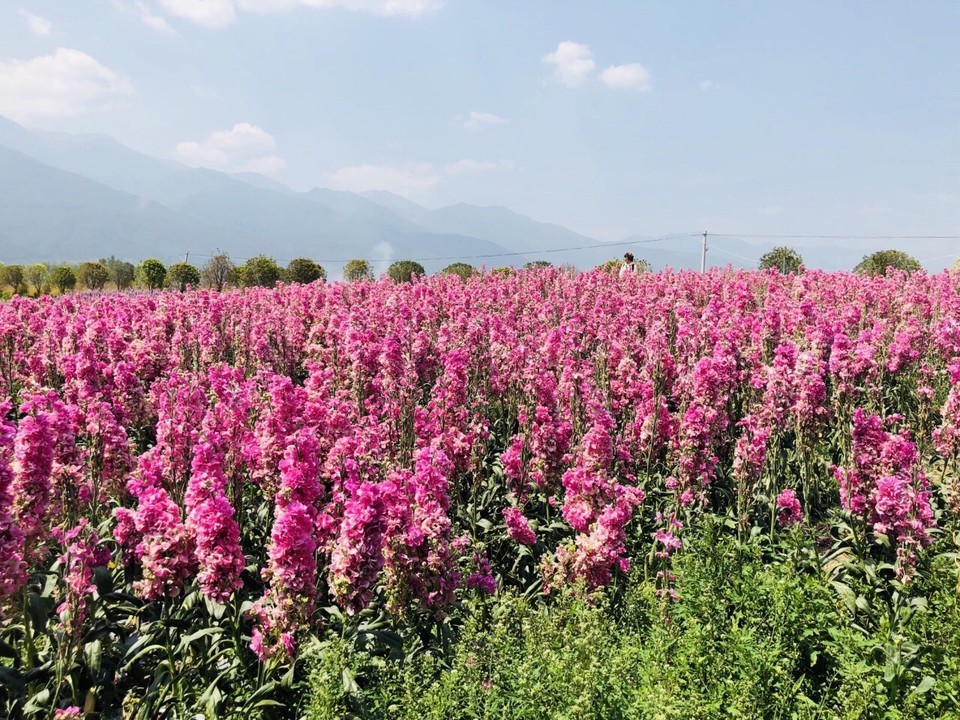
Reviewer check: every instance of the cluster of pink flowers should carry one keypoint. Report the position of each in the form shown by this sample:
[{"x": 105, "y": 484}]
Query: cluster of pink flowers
[
  {"x": 885, "y": 485},
  {"x": 13, "y": 569},
  {"x": 790, "y": 513},
  {"x": 349, "y": 435},
  {"x": 292, "y": 568},
  {"x": 82, "y": 553},
  {"x": 154, "y": 535}
]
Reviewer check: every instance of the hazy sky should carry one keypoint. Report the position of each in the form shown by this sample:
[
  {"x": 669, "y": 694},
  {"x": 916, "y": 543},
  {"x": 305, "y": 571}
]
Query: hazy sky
[{"x": 610, "y": 117}]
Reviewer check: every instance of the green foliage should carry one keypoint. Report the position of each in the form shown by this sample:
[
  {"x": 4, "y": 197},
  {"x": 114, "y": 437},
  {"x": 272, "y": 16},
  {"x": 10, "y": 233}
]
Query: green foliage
[
  {"x": 152, "y": 274},
  {"x": 260, "y": 271},
  {"x": 13, "y": 275},
  {"x": 219, "y": 272},
  {"x": 504, "y": 271},
  {"x": 122, "y": 273},
  {"x": 537, "y": 265},
  {"x": 357, "y": 269},
  {"x": 305, "y": 271},
  {"x": 756, "y": 632},
  {"x": 36, "y": 275},
  {"x": 460, "y": 269},
  {"x": 405, "y": 270},
  {"x": 63, "y": 278},
  {"x": 182, "y": 275},
  {"x": 880, "y": 262},
  {"x": 93, "y": 275},
  {"x": 785, "y": 259}
]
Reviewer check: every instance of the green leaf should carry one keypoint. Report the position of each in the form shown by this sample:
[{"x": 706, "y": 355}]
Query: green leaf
[
  {"x": 925, "y": 685},
  {"x": 92, "y": 653},
  {"x": 188, "y": 640}
]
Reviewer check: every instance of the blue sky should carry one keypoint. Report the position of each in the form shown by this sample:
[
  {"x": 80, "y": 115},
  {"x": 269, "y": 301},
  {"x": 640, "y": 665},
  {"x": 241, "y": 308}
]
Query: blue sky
[{"x": 612, "y": 117}]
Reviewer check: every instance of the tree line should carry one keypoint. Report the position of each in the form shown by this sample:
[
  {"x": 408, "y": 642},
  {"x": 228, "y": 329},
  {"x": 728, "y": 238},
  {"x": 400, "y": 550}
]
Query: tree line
[{"x": 220, "y": 272}]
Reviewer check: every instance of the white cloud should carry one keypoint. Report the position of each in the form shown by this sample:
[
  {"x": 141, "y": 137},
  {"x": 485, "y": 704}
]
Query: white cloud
[
  {"x": 219, "y": 13},
  {"x": 212, "y": 13},
  {"x": 632, "y": 76},
  {"x": 770, "y": 210},
  {"x": 145, "y": 14},
  {"x": 573, "y": 63},
  {"x": 411, "y": 8},
  {"x": 151, "y": 20},
  {"x": 268, "y": 165},
  {"x": 242, "y": 148},
  {"x": 707, "y": 85},
  {"x": 64, "y": 84},
  {"x": 477, "y": 120},
  {"x": 38, "y": 26},
  {"x": 948, "y": 198},
  {"x": 411, "y": 180}
]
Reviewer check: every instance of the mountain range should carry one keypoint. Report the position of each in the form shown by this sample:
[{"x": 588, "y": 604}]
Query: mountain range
[{"x": 69, "y": 198}]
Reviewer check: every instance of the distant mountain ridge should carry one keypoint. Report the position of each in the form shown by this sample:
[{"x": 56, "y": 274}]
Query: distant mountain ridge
[{"x": 76, "y": 197}]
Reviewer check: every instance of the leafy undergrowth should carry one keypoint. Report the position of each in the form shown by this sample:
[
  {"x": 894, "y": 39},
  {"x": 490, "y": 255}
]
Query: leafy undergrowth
[{"x": 756, "y": 631}]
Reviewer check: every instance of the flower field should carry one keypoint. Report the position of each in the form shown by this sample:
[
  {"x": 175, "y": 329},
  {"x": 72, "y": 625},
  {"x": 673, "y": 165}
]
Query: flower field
[{"x": 198, "y": 490}]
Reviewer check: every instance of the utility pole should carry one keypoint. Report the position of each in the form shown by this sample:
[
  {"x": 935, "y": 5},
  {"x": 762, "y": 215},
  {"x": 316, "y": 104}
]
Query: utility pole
[
  {"x": 186, "y": 258},
  {"x": 703, "y": 255}
]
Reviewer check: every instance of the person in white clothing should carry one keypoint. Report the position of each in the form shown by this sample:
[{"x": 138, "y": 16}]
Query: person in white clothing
[{"x": 629, "y": 266}]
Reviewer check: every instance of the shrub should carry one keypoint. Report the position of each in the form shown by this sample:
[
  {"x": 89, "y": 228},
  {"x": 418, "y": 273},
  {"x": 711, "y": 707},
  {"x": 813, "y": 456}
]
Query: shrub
[
  {"x": 151, "y": 274},
  {"x": 305, "y": 271},
  {"x": 37, "y": 275},
  {"x": 405, "y": 270},
  {"x": 219, "y": 272},
  {"x": 121, "y": 272},
  {"x": 537, "y": 265},
  {"x": 786, "y": 260},
  {"x": 183, "y": 275},
  {"x": 357, "y": 269},
  {"x": 882, "y": 261},
  {"x": 13, "y": 276},
  {"x": 460, "y": 269},
  {"x": 260, "y": 271},
  {"x": 63, "y": 278},
  {"x": 93, "y": 275}
]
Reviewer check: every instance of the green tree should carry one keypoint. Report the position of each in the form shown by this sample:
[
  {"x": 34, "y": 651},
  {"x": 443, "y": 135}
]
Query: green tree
[
  {"x": 219, "y": 272},
  {"x": 460, "y": 269},
  {"x": 93, "y": 275},
  {"x": 880, "y": 262},
  {"x": 151, "y": 274},
  {"x": 13, "y": 276},
  {"x": 36, "y": 275},
  {"x": 121, "y": 272},
  {"x": 357, "y": 269},
  {"x": 405, "y": 270},
  {"x": 181, "y": 275},
  {"x": 785, "y": 259},
  {"x": 956, "y": 265},
  {"x": 63, "y": 278},
  {"x": 505, "y": 271},
  {"x": 537, "y": 265},
  {"x": 261, "y": 271},
  {"x": 304, "y": 271}
]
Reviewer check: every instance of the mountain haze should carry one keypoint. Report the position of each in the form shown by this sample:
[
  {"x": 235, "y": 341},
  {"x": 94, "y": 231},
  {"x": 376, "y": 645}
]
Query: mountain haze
[{"x": 68, "y": 198}]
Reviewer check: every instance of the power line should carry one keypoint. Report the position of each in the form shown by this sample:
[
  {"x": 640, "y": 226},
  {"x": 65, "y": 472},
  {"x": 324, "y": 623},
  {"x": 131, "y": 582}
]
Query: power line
[
  {"x": 487, "y": 256},
  {"x": 838, "y": 237},
  {"x": 643, "y": 241}
]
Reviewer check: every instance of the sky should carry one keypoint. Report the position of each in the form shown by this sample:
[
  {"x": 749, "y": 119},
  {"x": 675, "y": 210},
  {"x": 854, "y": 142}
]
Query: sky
[{"x": 612, "y": 117}]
